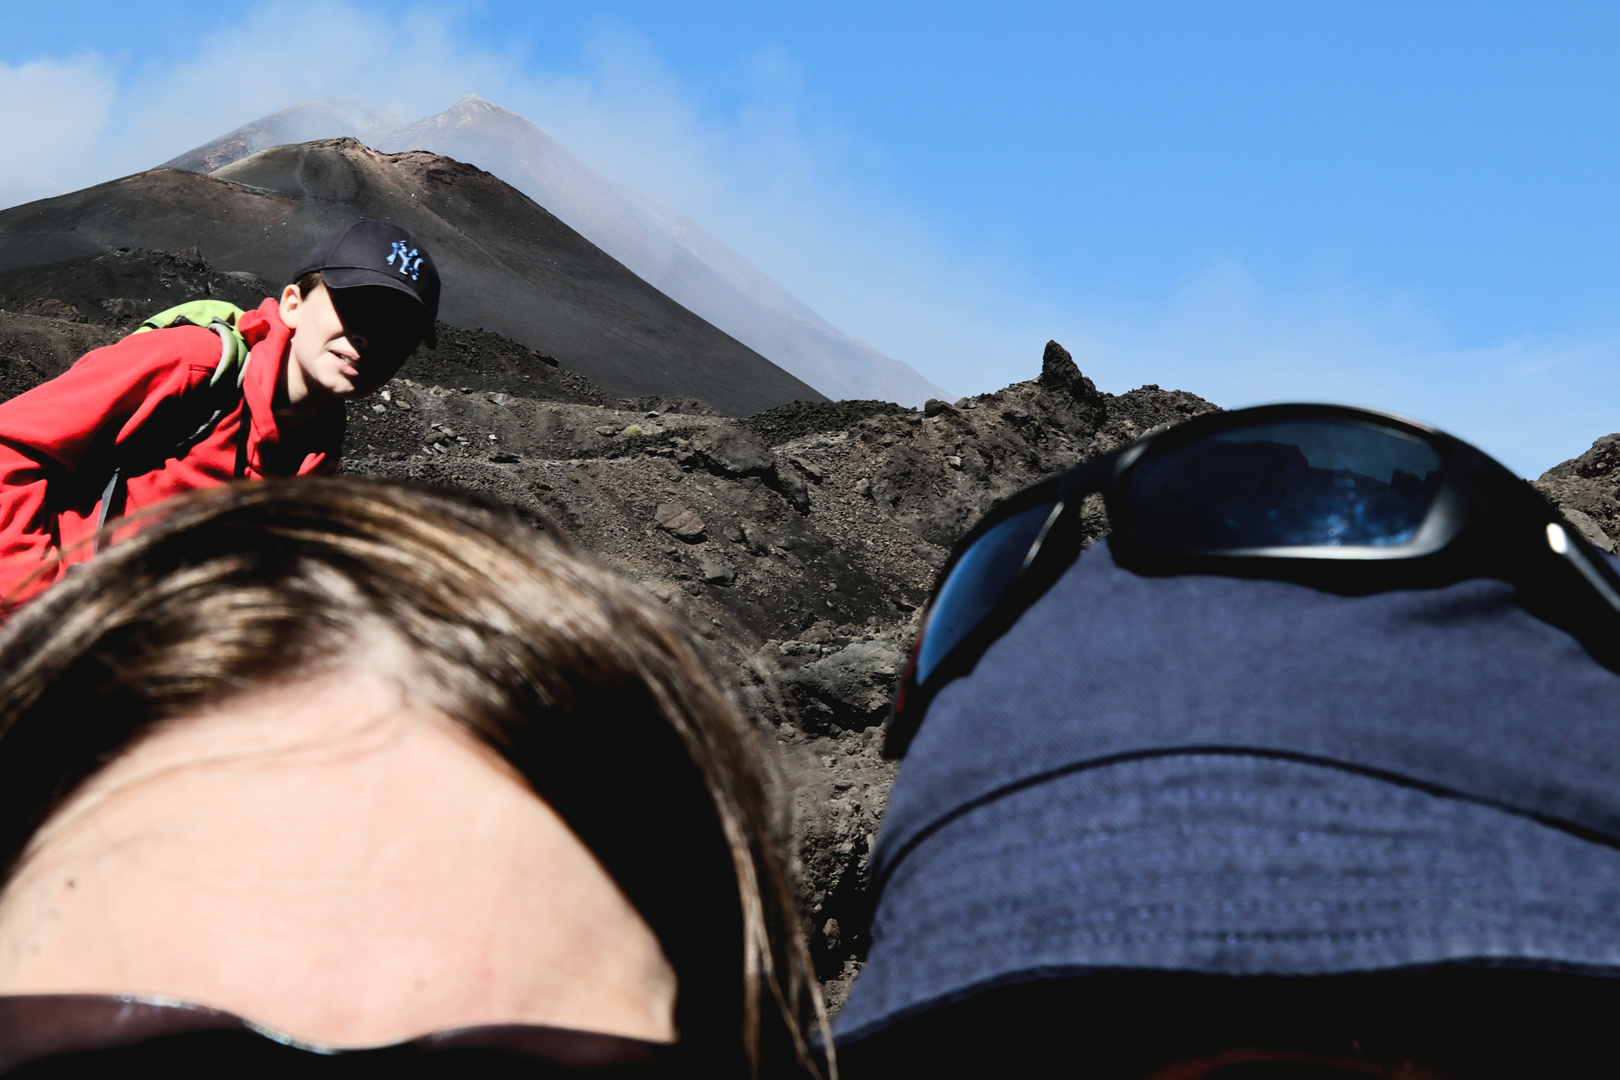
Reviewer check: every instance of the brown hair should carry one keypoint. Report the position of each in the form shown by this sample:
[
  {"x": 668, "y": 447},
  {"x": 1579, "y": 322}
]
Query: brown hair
[
  {"x": 591, "y": 690},
  {"x": 308, "y": 284}
]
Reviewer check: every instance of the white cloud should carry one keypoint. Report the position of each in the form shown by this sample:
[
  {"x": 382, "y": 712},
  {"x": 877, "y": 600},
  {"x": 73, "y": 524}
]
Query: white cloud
[
  {"x": 51, "y": 113},
  {"x": 410, "y": 63}
]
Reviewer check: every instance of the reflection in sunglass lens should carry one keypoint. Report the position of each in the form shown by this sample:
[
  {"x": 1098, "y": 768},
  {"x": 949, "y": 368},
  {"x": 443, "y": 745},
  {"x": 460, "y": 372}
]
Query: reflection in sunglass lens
[
  {"x": 1321, "y": 482},
  {"x": 978, "y": 581}
]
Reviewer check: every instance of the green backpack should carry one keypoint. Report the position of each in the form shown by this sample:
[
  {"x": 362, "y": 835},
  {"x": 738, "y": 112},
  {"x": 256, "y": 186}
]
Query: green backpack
[{"x": 189, "y": 420}]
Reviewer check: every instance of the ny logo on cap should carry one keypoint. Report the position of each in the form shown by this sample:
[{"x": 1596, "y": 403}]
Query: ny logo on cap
[{"x": 410, "y": 263}]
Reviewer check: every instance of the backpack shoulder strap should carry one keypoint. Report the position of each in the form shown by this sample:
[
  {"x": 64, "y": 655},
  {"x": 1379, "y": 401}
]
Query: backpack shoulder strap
[
  {"x": 218, "y": 316},
  {"x": 198, "y": 419}
]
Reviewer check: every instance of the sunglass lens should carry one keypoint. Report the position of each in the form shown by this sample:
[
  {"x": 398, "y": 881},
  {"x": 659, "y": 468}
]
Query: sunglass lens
[
  {"x": 1314, "y": 482},
  {"x": 978, "y": 581}
]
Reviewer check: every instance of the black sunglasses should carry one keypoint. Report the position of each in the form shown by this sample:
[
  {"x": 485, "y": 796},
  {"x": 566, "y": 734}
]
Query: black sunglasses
[{"x": 1348, "y": 500}]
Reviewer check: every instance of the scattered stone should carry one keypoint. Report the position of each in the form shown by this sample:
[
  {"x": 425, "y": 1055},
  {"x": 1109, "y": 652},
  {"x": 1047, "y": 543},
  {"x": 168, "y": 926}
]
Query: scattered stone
[
  {"x": 607, "y": 429},
  {"x": 679, "y": 521},
  {"x": 820, "y": 632},
  {"x": 797, "y": 419},
  {"x": 734, "y": 451},
  {"x": 716, "y": 571},
  {"x": 849, "y": 690},
  {"x": 808, "y": 469},
  {"x": 757, "y": 539},
  {"x": 791, "y": 484},
  {"x": 934, "y": 406}
]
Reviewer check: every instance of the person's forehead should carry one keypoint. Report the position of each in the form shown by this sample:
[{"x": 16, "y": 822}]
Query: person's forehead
[{"x": 335, "y": 827}]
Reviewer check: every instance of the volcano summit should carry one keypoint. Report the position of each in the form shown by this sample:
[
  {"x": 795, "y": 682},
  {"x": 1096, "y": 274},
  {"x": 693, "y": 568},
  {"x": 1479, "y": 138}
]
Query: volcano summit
[{"x": 509, "y": 265}]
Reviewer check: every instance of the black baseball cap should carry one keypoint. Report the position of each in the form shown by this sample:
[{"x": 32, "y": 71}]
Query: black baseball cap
[{"x": 378, "y": 253}]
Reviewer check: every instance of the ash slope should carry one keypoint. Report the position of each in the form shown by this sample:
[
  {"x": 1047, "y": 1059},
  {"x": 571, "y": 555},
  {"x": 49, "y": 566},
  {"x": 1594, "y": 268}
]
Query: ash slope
[
  {"x": 664, "y": 247},
  {"x": 800, "y": 541},
  {"x": 509, "y": 266}
]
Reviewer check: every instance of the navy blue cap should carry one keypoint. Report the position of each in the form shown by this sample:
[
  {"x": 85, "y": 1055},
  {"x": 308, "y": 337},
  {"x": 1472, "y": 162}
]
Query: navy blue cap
[
  {"x": 1245, "y": 777},
  {"x": 377, "y": 253}
]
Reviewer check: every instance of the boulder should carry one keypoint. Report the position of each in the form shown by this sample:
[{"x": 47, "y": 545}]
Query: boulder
[
  {"x": 679, "y": 520},
  {"x": 716, "y": 571},
  {"x": 848, "y": 690},
  {"x": 734, "y": 451}
]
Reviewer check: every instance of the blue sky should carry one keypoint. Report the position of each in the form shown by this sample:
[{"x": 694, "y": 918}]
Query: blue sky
[{"x": 1406, "y": 205}]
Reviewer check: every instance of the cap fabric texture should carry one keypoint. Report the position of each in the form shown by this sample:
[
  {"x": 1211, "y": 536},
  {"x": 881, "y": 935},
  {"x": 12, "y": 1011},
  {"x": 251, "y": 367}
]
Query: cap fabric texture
[
  {"x": 377, "y": 253},
  {"x": 1245, "y": 777}
]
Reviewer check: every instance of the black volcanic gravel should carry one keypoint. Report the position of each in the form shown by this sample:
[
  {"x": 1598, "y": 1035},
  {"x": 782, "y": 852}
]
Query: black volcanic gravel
[{"x": 797, "y": 419}]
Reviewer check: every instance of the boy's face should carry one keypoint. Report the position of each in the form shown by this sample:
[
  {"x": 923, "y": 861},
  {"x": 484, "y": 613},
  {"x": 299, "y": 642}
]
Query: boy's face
[{"x": 340, "y": 354}]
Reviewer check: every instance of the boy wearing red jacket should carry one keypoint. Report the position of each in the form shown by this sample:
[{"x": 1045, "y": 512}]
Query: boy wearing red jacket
[{"x": 361, "y": 301}]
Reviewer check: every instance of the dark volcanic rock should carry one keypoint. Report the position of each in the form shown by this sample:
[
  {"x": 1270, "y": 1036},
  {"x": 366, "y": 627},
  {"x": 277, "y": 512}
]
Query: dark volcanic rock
[
  {"x": 801, "y": 542},
  {"x": 797, "y": 419},
  {"x": 482, "y": 361},
  {"x": 509, "y": 266},
  {"x": 848, "y": 690},
  {"x": 1060, "y": 372},
  {"x": 672, "y": 403},
  {"x": 679, "y": 521},
  {"x": 1587, "y": 490},
  {"x": 123, "y": 286},
  {"x": 734, "y": 451},
  {"x": 34, "y": 348}
]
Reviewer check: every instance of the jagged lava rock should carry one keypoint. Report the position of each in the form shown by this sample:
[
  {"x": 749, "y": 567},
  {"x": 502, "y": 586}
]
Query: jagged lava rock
[{"x": 1587, "y": 490}]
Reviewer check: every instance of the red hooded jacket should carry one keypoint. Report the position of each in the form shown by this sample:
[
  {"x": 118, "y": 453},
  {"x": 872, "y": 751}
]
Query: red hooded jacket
[{"x": 100, "y": 402}]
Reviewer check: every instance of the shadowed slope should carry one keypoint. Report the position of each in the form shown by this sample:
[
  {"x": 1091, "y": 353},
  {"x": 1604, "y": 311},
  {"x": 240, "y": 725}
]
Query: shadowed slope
[{"x": 508, "y": 265}]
